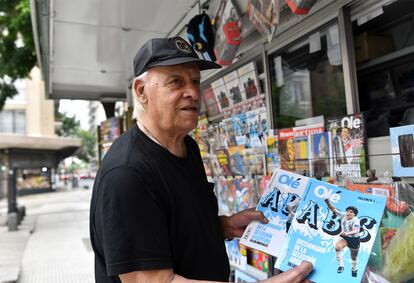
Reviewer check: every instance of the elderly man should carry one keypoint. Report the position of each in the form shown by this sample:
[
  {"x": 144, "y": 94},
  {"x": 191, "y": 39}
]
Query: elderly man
[{"x": 153, "y": 213}]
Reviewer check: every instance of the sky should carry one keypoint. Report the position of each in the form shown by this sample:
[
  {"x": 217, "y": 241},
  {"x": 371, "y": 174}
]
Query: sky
[{"x": 80, "y": 110}]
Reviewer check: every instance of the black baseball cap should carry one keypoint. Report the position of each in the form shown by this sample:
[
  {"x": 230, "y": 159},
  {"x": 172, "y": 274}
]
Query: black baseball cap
[{"x": 167, "y": 52}]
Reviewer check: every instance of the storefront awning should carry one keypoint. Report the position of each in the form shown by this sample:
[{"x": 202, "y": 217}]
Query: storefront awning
[
  {"x": 34, "y": 152},
  {"x": 85, "y": 48}
]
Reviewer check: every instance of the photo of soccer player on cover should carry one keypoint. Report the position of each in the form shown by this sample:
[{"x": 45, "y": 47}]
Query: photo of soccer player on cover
[{"x": 349, "y": 236}]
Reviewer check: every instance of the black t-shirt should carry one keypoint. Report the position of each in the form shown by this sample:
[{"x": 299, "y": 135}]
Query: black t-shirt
[{"x": 152, "y": 210}]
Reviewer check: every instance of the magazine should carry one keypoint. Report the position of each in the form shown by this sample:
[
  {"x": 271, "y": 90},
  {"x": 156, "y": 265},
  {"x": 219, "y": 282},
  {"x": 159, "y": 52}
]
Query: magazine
[
  {"x": 286, "y": 149},
  {"x": 226, "y": 195},
  {"x": 227, "y": 135},
  {"x": 348, "y": 144},
  {"x": 320, "y": 153},
  {"x": 245, "y": 194},
  {"x": 237, "y": 160},
  {"x": 232, "y": 82},
  {"x": 224, "y": 161},
  {"x": 277, "y": 203},
  {"x": 334, "y": 229},
  {"x": 248, "y": 79},
  {"x": 301, "y": 144},
  {"x": 241, "y": 129},
  {"x": 272, "y": 155},
  {"x": 264, "y": 15},
  {"x": 221, "y": 94},
  {"x": 228, "y": 33},
  {"x": 210, "y": 99}
]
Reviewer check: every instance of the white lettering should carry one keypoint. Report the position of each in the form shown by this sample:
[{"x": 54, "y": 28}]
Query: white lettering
[{"x": 325, "y": 193}]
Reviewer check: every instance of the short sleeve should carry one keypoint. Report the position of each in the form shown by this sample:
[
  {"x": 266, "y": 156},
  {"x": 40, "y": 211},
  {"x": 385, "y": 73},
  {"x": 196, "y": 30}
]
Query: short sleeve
[
  {"x": 132, "y": 224},
  {"x": 340, "y": 214},
  {"x": 356, "y": 223}
]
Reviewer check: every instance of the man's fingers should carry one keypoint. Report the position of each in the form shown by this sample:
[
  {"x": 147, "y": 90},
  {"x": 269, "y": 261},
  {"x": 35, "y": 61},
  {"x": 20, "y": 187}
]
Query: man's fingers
[
  {"x": 299, "y": 273},
  {"x": 259, "y": 216}
]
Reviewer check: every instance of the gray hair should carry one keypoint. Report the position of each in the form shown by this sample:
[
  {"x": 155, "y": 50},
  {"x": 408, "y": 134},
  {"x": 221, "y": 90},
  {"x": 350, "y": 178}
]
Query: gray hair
[{"x": 138, "y": 108}]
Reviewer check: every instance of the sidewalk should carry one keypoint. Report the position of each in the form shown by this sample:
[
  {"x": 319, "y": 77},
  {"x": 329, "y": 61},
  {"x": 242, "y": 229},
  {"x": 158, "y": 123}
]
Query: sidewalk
[{"x": 59, "y": 248}]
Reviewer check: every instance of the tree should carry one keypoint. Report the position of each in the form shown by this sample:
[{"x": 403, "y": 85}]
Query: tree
[
  {"x": 87, "y": 151},
  {"x": 70, "y": 127},
  {"x": 17, "y": 52}
]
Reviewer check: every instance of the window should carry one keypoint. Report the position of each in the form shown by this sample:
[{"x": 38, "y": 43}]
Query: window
[
  {"x": 13, "y": 121},
  {"x": 384, "y": 51},
  {"x": 307, "y": 79}
]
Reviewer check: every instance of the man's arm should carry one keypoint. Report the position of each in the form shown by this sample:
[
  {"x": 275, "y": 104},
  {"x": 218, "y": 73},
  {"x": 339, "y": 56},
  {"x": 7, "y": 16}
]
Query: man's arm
[
  {"x": 234, "y": 226},
  {"x": 294, "y": 275},
  {"x": 330, "y": 206}
]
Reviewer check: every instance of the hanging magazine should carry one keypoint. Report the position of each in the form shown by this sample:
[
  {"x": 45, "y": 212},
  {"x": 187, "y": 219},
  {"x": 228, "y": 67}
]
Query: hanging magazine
[
  {"x": 334, "y": 229},
  {"x": 278, "y": 204},
  {"x": 264, "y": 15}
]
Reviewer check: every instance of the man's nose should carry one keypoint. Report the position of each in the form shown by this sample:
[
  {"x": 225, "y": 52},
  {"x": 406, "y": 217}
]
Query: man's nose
[{"x": 192, "y": 91}]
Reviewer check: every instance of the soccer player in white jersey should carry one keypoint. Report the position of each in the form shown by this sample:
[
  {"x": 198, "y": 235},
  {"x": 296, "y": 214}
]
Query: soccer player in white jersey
[{"x": 349, "y": 236}]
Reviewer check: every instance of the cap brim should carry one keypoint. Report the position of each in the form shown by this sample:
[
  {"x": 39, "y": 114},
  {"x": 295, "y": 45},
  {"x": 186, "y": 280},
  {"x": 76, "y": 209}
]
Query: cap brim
[{"x": 202, "y": 64}]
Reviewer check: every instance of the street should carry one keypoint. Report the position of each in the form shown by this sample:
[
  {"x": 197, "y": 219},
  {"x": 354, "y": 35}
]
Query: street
[{"x": 59, "y": 249}]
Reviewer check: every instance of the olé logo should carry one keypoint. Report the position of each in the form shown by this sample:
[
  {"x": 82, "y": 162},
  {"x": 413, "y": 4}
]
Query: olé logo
[
  {"x": 325, "y": 193},
  {"x": 289, "y": 180},
  {"x": 183, "y": 46},
  {"x": 351, "y": 122}
]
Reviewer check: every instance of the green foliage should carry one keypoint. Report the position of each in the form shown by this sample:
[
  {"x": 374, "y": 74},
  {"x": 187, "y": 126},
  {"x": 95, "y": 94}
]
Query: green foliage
[
  {"x": 70, "y": 127},
  {"x": 87, "y": 151},
  {"x": 17, "y": 52}
]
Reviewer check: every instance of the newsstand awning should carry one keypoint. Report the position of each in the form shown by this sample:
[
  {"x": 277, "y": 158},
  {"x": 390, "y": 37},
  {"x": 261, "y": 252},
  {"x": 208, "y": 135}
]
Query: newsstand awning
[
  {"x": 33, "y": 152},
  {"x": 85, "y": 48}
]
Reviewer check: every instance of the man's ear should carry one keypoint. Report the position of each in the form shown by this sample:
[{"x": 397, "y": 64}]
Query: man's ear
[{"x": 139, "y": 87}]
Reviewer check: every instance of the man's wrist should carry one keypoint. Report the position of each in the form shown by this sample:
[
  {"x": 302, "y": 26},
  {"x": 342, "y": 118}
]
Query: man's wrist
[{"x": 225, "y": 227}]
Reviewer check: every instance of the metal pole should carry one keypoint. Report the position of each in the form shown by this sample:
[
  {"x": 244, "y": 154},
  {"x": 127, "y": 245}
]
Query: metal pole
[{"x": 12, "y": 190}]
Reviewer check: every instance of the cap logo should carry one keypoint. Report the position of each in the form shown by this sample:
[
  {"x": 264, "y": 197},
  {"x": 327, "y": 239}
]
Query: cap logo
[{"x": 183, "y": 46}]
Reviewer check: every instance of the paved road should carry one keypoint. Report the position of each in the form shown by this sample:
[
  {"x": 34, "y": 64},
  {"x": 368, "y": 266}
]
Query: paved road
[{"x": 59, "y": 249}]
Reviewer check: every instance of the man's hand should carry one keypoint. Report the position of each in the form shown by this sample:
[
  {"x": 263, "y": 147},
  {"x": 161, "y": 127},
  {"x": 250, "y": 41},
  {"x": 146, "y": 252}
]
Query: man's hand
[
  {"x": 235, "y": 225},
  {"x": 294, "y": 275}
]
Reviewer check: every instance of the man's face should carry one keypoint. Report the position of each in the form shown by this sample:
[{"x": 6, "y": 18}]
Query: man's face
[
  {"x": 173, "y": 94},
  {"x": 350, "y": 214},
  {"x": 345, "y": 134}
]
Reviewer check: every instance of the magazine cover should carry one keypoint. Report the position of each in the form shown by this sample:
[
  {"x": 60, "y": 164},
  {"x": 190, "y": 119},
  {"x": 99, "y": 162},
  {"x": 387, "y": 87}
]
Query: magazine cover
[
  {"x": 233, "y": 252},
  {"x": 286, "y": 149},
  {"x": 254, "y": 159},
  {"x": 248, "y": 80},
  {"x": 221, "y": 94},
  {"x": 228, "y": 33},
  {"x": 237, "y": 160},
  {"x": 278, "y": 203},
  {"x": 257, "y": 123},
  {"x": 334, "y": 229},
  {"x": 272, "y": 155},
  {"x": 262, "y": 183},
  {"x": 264, "y": 15},
  {"x": 224, "y": 161},
  {"x": 301, "y": 144},
  {"x": 320, "y": 153},
  {"x": 241, "y": 129},
  {"x": 212, "y": 104},
  {"x": 402, "y": 148},
  {"x": 245, "y": 194},
  {"x": 232, "y": 82},
  {"x": 227, "y": 134},
  {"x": 226, "y": 196},
  {"x": 348, "y": 144}
]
